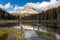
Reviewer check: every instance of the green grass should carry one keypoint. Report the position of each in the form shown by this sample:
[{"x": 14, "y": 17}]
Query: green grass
[
  {"x": 9, "y": 33},
  {"x": 47, "y": 36},
  {"x": 3, "y": 35}
]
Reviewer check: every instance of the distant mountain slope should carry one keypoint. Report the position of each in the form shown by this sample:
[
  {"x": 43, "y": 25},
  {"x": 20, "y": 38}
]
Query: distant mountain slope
[
  {"x": 6, "y": 16},
  {"x": 44, "y": 15},
  {"x": 29, "y": 10}
]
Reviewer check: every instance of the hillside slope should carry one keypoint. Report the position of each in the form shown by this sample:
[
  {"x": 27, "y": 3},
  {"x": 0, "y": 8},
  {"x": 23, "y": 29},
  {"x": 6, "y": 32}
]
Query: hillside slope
[{"x": 6, "y": 16}]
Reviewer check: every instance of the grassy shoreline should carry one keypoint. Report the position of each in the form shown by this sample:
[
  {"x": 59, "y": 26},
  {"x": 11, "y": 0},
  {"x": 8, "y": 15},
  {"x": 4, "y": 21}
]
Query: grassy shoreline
[
  {"x": 47, "y": 36},
  {"x": 11, "y": 34}
]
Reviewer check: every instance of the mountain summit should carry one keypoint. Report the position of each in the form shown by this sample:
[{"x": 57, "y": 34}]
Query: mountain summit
[{"x": 29, "y": 11}]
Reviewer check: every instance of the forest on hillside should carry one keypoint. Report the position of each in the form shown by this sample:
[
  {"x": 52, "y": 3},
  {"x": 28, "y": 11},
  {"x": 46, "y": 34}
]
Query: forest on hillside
[{"x": 7, "y": 16}]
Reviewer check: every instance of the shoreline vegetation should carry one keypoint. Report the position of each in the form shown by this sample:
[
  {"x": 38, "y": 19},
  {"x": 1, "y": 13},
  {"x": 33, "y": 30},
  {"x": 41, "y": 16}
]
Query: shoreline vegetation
[
  {"x": 47, "y": 36},
  {"x": 11, "y": 34}
]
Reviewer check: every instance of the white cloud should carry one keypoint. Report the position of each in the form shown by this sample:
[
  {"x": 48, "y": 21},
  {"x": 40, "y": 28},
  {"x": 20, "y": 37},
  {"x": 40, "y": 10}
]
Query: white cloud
[
  {"x": 44, "y": 5},
  {"x": 1, "y": 6},
  {"x": 14, "y": 11},
  {"x": 8, "y": 5},
  {"x": 19, "y": 8},
  {"x": 38, "y": 6},
  {"x": 52, "y": 0}
]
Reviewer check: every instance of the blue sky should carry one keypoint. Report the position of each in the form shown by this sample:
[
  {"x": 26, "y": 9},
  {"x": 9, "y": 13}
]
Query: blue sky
[
  {"x": 19, "y": 2},
  {"x": 16, "y": 6}
]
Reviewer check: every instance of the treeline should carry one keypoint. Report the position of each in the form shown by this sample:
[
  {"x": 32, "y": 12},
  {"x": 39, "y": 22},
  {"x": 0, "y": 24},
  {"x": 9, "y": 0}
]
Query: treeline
[
  {"x": 7, "y": 16},
  {"x": 50, "y": 15},
  {"x": 44, "y": 15}
]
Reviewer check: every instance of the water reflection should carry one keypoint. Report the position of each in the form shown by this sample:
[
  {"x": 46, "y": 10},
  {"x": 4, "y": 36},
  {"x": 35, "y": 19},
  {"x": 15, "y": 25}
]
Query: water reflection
[
  {"x": 8, "y": 24},
  {"x": 44, "y": 25}
]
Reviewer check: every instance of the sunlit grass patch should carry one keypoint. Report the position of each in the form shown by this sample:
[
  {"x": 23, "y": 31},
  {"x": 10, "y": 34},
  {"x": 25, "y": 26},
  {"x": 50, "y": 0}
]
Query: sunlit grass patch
[
  {"x": 14, "y": 34},
  {"x": 3, "y": 35}
]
